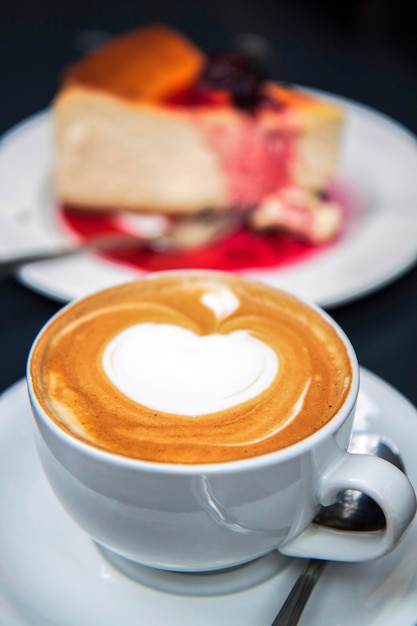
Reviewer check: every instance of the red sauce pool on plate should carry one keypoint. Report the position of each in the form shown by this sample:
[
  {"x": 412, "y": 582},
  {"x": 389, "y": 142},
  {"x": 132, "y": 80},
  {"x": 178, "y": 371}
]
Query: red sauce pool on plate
[{"x": 242, "y": 251}]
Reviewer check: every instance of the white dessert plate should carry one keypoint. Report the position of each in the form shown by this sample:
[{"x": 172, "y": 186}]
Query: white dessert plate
[
  {"x": 377, "y": 184},
  {"x": 51, "y": 573}
]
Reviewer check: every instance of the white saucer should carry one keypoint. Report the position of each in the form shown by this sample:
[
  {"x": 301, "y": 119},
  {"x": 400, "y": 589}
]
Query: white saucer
[
  {"x": 379, "y": 242},
  {"x": 51, "y": 574}
]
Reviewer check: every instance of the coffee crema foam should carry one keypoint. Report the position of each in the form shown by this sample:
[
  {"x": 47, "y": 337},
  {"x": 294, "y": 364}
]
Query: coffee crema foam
[{"x": 190, "y": 368}]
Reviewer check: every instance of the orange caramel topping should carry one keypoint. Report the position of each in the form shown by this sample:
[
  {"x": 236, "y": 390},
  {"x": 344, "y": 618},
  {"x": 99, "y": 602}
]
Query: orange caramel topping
[
  {"x": 158, "y": 64},
  {"x": 147, "y": 64},
  {"x": 287, "y": 96}
]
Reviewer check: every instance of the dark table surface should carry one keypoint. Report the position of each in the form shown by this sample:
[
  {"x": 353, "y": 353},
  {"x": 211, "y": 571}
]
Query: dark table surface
[{"x": 362, "y": 49}]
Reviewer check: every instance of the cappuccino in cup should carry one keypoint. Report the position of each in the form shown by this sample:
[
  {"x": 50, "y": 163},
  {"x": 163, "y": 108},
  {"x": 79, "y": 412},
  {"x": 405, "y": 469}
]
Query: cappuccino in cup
[
  {"x": 191, "y": 368},
  {"x": 195, "y": 421}
]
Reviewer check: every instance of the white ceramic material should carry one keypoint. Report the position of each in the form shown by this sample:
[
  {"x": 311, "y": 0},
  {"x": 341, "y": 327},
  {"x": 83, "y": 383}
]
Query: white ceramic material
[
  {"x": 379, "y": 161},
  {"x": 51, "y": 574},
  {"x": 216, "y": 516}
]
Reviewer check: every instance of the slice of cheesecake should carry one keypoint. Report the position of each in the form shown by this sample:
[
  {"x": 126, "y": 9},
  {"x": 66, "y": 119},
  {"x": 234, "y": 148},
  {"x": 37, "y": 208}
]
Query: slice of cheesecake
[{"x": 148, "y": 123}]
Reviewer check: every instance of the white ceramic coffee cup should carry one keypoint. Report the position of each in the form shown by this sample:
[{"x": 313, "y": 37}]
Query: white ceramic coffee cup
[{"x": 214, "y": 516}]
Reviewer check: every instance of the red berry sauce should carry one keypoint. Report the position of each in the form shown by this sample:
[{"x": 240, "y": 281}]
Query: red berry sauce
[{"x": 244, "y": 250}]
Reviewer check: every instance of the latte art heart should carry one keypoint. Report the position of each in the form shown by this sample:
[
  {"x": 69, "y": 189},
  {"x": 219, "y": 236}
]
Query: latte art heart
[
  {"x": 171, "y": 369},
  {"x": 191, "y": 367}
]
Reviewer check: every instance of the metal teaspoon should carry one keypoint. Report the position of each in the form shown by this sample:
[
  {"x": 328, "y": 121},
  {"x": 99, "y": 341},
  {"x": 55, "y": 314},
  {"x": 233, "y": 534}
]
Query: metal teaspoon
[{"x": 353, "y": 511}]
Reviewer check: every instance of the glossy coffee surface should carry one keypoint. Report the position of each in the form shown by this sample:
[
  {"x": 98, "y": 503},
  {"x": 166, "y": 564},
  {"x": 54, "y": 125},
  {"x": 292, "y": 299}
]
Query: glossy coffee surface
[{"x": 190, "y": 368}]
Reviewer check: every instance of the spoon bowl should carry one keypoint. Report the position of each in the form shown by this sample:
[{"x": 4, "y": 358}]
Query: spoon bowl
[{"x": 355, "y": 510}]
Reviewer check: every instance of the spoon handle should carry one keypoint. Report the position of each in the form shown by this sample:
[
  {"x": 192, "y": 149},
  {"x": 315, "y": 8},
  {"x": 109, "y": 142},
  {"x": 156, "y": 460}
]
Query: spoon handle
[
  {"x": 111, "y": 241},
  {"x": 293, "y": 607}
]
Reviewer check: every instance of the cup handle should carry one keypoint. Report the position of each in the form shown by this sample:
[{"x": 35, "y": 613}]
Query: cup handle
[{"x": 381, "y": 481}]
